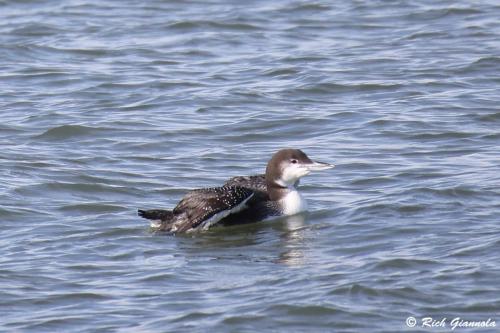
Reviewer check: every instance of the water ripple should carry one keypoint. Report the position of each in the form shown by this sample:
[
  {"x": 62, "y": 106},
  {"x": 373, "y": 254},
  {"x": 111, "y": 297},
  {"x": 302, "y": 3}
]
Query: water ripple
[{"x": 113, "y": 106}]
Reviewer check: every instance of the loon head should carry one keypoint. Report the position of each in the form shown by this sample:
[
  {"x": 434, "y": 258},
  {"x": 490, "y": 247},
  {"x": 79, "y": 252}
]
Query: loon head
[{"x": 287, "y": 166}]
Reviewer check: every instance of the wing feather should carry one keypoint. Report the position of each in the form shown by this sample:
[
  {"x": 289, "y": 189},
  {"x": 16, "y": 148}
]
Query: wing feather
[
  {"x": 202, "y": 208},
  {"x": 256, "y": 182}
]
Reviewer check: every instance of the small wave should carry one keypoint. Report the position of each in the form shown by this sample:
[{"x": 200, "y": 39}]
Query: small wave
[
  {"x": 441, "y": 136},
  {"x": 82, "y": 296},
  {"x": 305, "y": 310},
  {"x": 190, "y": 25},
  {"x": 157, "y": 278},
  {"x": 411, "y": 208},
  {"x": 451, "y": 192},
  {"x": 495, "y": 136},
  {"x": 92, "y": 208},
  {"x": 117, "y": 232},
  {"x": 476, "y": 250},
  {"x": 307, "y": 8},
  {"x": 281, "y": 72},
  {"x": 433, "y": 14},
  {"x": 8, "y": 213},
  {"x": 65, "y": 132},
  {"x": 403, "y": 263},
  {"x": 427, "y": 35},
  {"x": 192, "y": 317},
  {"x": 12, "y": 212},
  {"x": 36, "y": 72},
  {"x": 234, "y": 26},
  {"x": 404, "y": 292},
  {"x": 372, "y": 181},
  {"x": 485, "y": 64},
  {"x": 492, "y": 117},
  {"x": 355, "y": 289},
  {"x": 328, "y": 88},
  {"x": 59, "y": 189},
  {"x": 463, "y": 11},
  {"x": 36, "y": 30},
  {"x": 303, "y": 59},
  {"x": 242, "y": 319},
  {"x": 393, "y": 209}
]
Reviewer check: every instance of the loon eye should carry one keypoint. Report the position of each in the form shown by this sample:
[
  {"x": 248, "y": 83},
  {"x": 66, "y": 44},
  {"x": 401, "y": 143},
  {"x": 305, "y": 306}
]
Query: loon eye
[{"x": 294, "y": 161}]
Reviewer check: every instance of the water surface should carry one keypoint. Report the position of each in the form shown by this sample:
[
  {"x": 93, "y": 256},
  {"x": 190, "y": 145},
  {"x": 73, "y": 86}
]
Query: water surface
[{"x": 109, "y": 106}]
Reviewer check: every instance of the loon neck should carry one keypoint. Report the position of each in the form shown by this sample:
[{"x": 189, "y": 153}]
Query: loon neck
[
  {"x": 290, "y": 200},
  {"x": 278, "y": 190}
]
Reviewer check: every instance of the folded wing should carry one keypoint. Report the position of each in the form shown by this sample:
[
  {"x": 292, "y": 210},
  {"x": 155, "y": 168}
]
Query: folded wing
[
  {"x": 256, "y": 183},
  {"x": 203, "y": 208}
]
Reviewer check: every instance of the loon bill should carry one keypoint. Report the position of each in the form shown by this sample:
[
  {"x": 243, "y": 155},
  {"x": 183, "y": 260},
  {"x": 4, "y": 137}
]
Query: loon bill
[{"x": 242, "y": 199}]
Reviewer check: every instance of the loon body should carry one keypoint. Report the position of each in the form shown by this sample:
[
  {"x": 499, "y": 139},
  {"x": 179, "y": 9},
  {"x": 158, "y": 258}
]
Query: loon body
[{"x": 242, "y": 199}]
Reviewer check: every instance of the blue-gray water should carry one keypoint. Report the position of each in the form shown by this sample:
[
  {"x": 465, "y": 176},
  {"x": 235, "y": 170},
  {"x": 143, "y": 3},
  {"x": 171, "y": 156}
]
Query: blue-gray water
[{"x": 110, "y": 106}]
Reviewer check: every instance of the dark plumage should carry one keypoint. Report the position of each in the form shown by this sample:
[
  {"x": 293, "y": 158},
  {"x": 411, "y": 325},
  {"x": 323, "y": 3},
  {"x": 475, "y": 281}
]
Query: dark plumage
[
  {"x": 256, "y": 183},
  {"x": 242, "y": 199},
  {"x": 197, "y": 208},
  {"x": 156, "y": 214}
]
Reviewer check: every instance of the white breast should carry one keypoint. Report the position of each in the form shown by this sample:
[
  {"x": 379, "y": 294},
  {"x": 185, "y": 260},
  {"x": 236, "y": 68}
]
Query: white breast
[{"x": 293, "y": 203}]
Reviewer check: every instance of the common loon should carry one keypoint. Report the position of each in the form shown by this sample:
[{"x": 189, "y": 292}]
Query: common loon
[{"x": 242, "y": 199}]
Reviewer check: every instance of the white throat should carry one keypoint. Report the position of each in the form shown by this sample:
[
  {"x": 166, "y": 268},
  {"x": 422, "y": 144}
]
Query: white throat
[{"x": 293, "y": 202}]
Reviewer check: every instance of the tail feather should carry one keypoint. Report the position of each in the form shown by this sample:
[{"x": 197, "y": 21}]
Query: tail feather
[{"x": 156, "y": 214}]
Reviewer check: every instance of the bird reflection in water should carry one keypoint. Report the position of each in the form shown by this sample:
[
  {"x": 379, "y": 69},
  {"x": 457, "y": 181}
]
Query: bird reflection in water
[
  {"x": 280, "y": 241},
  {"x": 292, "y": 241}
]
